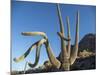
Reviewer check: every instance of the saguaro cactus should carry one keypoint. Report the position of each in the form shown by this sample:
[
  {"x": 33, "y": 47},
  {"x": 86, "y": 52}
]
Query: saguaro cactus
[{"x": 68, "y": 57}]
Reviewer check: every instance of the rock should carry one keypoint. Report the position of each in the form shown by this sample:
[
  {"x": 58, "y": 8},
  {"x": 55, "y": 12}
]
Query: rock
[
  {"x": 84, "y": 63},
  {"x": 85, "y": 53},
  {"x": 88, "y": 42}
]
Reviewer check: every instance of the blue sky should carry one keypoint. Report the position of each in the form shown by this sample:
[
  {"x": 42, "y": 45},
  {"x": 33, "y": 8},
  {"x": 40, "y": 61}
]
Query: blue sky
[{"x": 34, "y": 16}]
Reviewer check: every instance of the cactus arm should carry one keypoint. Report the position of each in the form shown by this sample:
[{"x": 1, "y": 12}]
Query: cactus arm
[
  {"x": 75, "y": 49},
  {"x": 38, "y": 47},
  {"x": 34, "y": 34},
  {"x": 50, "y": 54},
  {"x": 36, "y": 58},
  {"x": 63, "y": 44},
  {"x": 60, "y": 20},
  {"x": 61, "y": 36},
  {"x": 54, "y": 61},
  {"x": 68, "y": 27},
  {"x": 68, "y": 37},
  {"x": 21, "y": 58}
]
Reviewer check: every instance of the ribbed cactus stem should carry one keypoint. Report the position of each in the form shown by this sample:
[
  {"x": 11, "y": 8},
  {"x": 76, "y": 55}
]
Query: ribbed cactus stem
[
  {"x": 60, "y": 20},
  {"x": 77, "y": 33},
  {"x": 63, "y": 44},
  {"x": 68, "y": 27},
  {"x": 68, "y": 37},
  {"x": 75, "y": 49}
]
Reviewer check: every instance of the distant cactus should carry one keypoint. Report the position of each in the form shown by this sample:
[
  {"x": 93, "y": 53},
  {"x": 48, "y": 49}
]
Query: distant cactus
[{"x": 68, "y": 57}]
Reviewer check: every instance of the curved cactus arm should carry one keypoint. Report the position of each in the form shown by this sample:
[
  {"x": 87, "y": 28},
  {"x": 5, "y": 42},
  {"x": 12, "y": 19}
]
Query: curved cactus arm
[
  {"x": 54, "y": 61},
  {"x": 74, "y": 52},
  {"x": 36, "y": 58},
  {"x": 63, "y": 43},
  {"x": 21, "y": 58},
  {"x": 34, "y": 34},
  {"x": 38, "y": 47},
  {"x": 61, "y": 36},
  {"x": 51, "y": 56}
]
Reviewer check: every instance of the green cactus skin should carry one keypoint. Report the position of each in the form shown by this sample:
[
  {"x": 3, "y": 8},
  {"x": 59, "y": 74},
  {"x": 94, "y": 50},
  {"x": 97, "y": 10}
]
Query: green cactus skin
[
  {"x": 75, "y": 49},
  {"x": 63, "y": 44}
]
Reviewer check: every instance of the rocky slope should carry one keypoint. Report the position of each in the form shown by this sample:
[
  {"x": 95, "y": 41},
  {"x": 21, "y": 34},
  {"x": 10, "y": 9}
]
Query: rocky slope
[{"x": 88, "y": 42}]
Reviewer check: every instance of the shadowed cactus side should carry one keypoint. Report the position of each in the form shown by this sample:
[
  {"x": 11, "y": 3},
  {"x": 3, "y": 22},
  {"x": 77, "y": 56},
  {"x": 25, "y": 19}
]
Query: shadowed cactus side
[{"x": 67, "y": 58}]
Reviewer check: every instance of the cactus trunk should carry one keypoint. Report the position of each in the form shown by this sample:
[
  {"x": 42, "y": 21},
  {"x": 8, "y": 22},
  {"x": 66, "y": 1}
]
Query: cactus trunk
[{"x": 64, "y": 61}]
